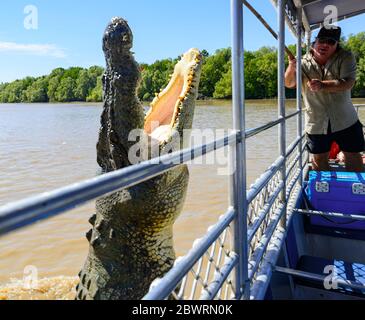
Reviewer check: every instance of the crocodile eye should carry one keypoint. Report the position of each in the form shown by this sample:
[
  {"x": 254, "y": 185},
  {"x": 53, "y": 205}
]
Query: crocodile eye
[{"x": 125, "y": 38}]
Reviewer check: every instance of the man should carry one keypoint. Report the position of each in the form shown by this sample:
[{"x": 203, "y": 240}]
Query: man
[{"x": 330, "y": 115}]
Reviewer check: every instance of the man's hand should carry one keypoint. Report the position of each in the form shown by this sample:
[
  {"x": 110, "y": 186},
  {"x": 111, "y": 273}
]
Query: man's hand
[
  {"x": 292, "y": 64},
  {"x": 315, "y": 85},
  {"x": 290, "y": 81}
]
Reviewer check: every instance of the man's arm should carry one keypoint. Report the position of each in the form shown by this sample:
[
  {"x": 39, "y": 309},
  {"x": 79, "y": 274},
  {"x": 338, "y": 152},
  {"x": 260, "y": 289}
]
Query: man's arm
[
  {"x": 316, "y": 85},
  {"x": 290, "y": 74},
  {"x": 347, "y": 76},
  {"x": 338, "y": 85}
]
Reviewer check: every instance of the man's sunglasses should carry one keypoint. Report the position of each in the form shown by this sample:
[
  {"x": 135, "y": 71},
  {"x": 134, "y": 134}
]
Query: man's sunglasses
[{"x": 330, "y": 42}]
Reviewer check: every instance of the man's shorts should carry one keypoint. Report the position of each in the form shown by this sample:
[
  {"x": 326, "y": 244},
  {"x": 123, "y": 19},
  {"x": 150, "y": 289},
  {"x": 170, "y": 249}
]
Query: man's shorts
[{"x": 350, "y": 139}]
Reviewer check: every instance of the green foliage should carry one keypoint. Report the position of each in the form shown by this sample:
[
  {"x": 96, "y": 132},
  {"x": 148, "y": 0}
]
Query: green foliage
[
  {"x": 213, "y": 68},
  {"x": 155, "y": 77},
  {"x": 14, "y": 91},
  {"x": 61, "y": 85},
  {"x": 79, "y": 84},
  {"x": 65, "y": 90},
  {"x": 37, "y": 91},
  {"x": 84, "y": 84},
  {"x": 54, "y": 80},
  {"x": 356, "y": 44},
  {"x": 261, "y": 73},
  {"x": 223, "y": 88},
  {"x": 96, "y": 94}
]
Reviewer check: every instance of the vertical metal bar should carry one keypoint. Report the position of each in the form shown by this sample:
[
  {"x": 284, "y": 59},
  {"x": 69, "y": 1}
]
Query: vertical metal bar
[
  {"x": 308, "y": 36},
  {"x": 281, "y": 99},
  {"x": 238, "y": 153},
  {"x": 299, "y": 90}
]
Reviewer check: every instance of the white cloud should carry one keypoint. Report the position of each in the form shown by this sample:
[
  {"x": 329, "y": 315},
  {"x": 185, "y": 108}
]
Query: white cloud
[{"x": 35, "y": 49}]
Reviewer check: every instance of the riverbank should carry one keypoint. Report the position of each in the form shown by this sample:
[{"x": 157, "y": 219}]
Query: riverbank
[{"x": 205, "y": 102}]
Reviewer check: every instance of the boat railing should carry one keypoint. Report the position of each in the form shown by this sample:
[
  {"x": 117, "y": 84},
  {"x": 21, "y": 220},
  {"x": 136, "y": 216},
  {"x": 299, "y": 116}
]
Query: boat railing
[{"x": 217, "y": 268}]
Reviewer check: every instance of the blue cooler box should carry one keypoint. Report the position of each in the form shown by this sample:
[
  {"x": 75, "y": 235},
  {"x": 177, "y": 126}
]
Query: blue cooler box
[{"x": 342, "y": 192}]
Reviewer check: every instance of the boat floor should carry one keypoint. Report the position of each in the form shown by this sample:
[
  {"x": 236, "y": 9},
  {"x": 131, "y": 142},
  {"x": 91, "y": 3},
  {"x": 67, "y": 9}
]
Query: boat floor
[{"x": 312, "y": 255}]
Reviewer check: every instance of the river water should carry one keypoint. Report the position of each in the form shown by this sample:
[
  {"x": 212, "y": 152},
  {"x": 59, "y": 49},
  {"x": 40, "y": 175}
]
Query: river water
[{"x": 46, "y": 146}]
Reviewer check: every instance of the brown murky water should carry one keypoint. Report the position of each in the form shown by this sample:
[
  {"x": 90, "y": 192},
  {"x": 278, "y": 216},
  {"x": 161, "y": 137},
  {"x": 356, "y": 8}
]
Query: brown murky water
[{"x": 46, "y": 146}]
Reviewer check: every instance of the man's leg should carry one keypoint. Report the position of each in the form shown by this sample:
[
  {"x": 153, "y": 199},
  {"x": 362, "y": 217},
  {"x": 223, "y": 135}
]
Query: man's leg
[
  {"x": 351, "y": 142},
  {"x": 319, "y": 146},
  {"x": 353, "y": 162},
  {"x": 320, "y": 162}
]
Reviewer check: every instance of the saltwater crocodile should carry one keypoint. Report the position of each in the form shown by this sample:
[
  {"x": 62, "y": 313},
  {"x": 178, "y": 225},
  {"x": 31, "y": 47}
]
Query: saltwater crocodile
[{"x": 131, "y": 240}]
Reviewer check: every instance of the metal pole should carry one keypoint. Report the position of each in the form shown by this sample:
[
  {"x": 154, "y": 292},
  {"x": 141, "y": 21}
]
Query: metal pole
[
  {"x": 281, "y": 99},
  {"x": 308, "y": 39},
  {"x": 299, "y": 90},
  {"x": 308, "y": 36},
  {"x": 238, "y": 154}
]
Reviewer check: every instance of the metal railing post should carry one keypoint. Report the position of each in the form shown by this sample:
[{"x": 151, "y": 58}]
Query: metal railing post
[
  {"x": 299, "y": 90},
  {"x": 238, "y": 197},
  {"x": 281, "y": 99},
  {"x": 308, "y": 36}
]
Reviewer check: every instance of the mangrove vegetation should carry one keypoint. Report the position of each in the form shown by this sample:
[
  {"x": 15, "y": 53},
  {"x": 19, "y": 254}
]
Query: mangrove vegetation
[{"x": 80, "y": 84}]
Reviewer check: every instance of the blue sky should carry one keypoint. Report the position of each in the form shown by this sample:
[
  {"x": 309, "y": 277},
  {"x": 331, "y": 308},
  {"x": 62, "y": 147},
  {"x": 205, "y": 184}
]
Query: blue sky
[{"x": 69, "y": 31}]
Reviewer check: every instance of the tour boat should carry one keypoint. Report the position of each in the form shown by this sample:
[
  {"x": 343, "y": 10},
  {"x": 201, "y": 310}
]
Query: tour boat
[{"x": 276, "y": 240}]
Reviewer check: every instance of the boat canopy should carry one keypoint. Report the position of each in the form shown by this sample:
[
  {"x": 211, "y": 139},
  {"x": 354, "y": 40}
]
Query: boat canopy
[{"x": 314, "y": 11}]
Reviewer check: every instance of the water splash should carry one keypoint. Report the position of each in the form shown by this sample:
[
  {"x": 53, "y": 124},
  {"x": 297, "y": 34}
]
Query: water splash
[{"x": 55, "y": 288}]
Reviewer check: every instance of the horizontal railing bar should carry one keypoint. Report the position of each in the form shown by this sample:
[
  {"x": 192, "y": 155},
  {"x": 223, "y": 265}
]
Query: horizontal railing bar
[
  {"x": 269, "y": 173},
  {"x": 263, "y": 212},
  {"x": 292, "y": 183},
  {"x": 263, "y": 275},
  {"x": 24, "y": 212},
  {"x": 172, "y": 278},
  {"x": 271, "y": 230},
  {"x": 254, "y": 131},
  {"x": 257, "y": 255},
  {"x": 211, "y": 291},
  {"x": 291, "y": 167},
  {"x": 320, "y": 278},
  {"x": 261, "y": 216},
  {"x": 294, "y": 144},
  {"x": 295, "y": 113},
  {"x": 256, "y": 187},
  {"x": 330, "y": 214}
]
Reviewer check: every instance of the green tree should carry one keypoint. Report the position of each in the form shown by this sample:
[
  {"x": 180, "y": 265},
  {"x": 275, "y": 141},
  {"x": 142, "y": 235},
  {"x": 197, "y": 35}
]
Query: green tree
[
  {"x": 223, "y": 88},
  {"x": 96, "y": 94},
  {"x": 65, "y": 90},
  {"x": 54, "y": 80},
  {"x": 95, "y": 72},
  {"x": 3, "y": 93},
  {"x": 72, "y": 73},
  {"x": 356, "y": 44},
  {"x": 155, "y": 77},
  {"x": 37, "y": 91},
  {"x": 84, "y": 84},
  {"x": 213, "y": 68},
  {"x": 14, "y": 91}
]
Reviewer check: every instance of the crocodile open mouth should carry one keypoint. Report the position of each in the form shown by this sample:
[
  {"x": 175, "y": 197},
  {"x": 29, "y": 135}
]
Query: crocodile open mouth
[{"x": 168, "y": 105}]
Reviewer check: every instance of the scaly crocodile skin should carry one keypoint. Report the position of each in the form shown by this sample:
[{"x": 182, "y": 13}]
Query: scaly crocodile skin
[{"x": 131, "y": 238}]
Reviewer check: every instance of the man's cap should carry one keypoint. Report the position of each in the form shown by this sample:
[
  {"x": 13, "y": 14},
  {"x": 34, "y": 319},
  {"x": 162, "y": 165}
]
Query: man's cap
[{"x": 330, "y": 32}]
